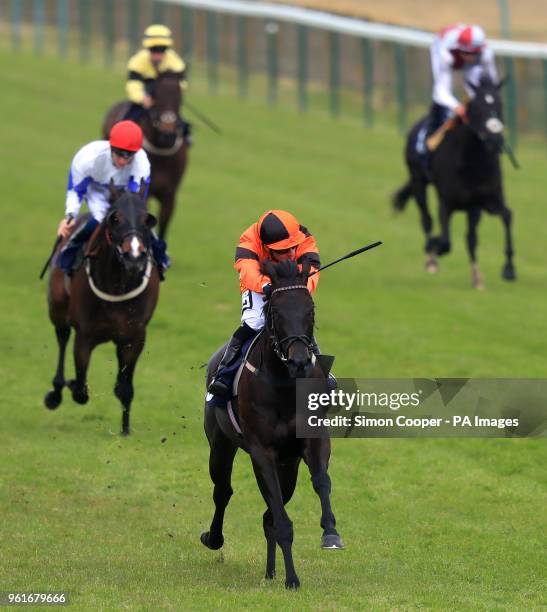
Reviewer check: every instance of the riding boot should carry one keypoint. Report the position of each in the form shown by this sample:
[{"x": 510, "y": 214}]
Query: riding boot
[
  {"x": 221, "y": 383},
  {"x": 186, "y": 128},
  {"x": 67, "y": 257},
  {"x": 332, "y": 384},
  {"x": 161, "y": 257}
]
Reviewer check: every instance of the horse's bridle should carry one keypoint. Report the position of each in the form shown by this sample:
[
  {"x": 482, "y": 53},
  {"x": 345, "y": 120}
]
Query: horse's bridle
[
  {"x": 290, "y": 340},
  {"x": 118, "y": 248}
]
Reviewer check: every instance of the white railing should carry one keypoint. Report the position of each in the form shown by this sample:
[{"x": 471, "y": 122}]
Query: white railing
[{"x": 348, "y": 25}]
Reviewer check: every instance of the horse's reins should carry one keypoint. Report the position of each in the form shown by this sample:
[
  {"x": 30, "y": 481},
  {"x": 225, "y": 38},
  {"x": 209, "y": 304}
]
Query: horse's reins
[{"x": 122, "y": 297}]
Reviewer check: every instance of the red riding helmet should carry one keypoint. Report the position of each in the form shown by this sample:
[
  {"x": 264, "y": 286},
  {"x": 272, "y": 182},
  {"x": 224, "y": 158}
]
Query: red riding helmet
[
  {"x": 126, "y": 135},
  {"x": 280, "y": 230},
  {"x": 471, "y": 39}
]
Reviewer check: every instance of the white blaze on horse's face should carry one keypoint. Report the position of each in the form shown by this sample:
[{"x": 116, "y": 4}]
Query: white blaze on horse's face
[
  {"x": 489, "y": 99},
  {"x": 168, "y": 117},
  {"x": 494, "y": 125},
  {"x": 135, "y": 244}
]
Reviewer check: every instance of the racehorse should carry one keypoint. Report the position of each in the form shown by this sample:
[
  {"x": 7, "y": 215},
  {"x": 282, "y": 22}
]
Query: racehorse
[
  {"x": 111, "y": 297},
  {"x": 163, "y": 142},
  {"x": 267, "y": 412},
  {"x": 466, "y": 173}
]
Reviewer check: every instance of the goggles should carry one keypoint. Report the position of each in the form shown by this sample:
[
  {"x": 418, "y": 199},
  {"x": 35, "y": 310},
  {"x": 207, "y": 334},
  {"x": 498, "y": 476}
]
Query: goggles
[{"x": 123, "y": 153}]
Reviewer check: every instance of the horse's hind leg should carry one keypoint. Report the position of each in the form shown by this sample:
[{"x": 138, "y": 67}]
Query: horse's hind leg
[
  {"x": 288, "y": 475},
  {"x": 316, "y": 455},
  {"x": 128, "y": 354},
  {"x": 508, "y": 272},
  {"x": 54, "y": 397},
  {"x": 167, "y": 207},
  {"x": 473, "y": 218},
  {"x": 221, "y": 459}
]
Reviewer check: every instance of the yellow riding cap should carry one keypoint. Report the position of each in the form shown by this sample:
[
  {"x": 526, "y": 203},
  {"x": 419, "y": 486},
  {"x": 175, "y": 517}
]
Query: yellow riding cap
[{"x": 157, "y": 36}]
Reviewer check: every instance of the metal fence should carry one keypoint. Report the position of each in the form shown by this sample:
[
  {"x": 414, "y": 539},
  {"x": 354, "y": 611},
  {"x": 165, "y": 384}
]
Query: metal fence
[{"x": 342, "y": 64}]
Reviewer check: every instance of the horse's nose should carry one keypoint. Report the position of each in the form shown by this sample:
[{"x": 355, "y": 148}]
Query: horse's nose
[
  {"x": 133, "y": 249},
  {"x": 299, "y": 365}
]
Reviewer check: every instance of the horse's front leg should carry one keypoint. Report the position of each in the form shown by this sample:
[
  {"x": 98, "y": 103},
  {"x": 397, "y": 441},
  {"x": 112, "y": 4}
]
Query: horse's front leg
[
  {"x": 441, "y": 245},
  {"x": 54, "y": 397},
  {"x": 473, "y": 218},
  {"x": 82, "y": 354},
  {"x": 508, "y": 272},
  {"x": 288, "y": 475},
  {"x": 128, "y": 354},
  {"x": 264, "y": 465},
  {"x": 316, "y": 455}
]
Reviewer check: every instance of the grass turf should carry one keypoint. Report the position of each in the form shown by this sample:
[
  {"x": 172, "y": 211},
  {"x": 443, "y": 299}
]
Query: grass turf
[{"x": 116, "y": 522}]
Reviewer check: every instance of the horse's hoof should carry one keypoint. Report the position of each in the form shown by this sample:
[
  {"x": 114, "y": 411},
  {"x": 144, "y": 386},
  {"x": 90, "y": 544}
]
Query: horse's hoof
[
  {"x": 332, "y": 541},
  {"x": 52, "y": 399},
  {"x": 432, "y": 266},
  {"x": 509, "y": 273},
  {"x": 80, "y": 396},
  {"x": 125, "y": 432},
  {"x": 292, "y": 583},
  {"x": 206, "y": 540},
  {"x": 270, "y": 575}
]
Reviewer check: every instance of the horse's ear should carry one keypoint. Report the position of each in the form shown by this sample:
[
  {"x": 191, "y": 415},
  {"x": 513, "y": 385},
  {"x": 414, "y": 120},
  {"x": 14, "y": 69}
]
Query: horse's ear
[
  {"x": 114, "y": 192},
  {"x": 269, "y": 269},
  {"x": 142, "y": 188},
  {"x": 151, "y": 221},
  {"x": 305, "y": 268}
]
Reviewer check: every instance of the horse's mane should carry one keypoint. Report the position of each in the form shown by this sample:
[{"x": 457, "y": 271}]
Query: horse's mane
[
  {"x": 129, "y": 197},
  {"x": 285, "y": 271}
]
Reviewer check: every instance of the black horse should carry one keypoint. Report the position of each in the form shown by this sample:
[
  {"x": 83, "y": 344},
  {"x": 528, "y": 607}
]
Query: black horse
[
  {"x": 111, "y": 297},
  {"x": 267, "y": 413},
  {"x": 164, "y": 142},
  {"x": 466, "y": 172}
]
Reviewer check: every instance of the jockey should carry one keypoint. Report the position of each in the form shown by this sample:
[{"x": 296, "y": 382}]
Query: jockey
[
  {"x": 156, "y": 57},
  {"x": 460, "y": 47},
  {"x": 277, "y": 236},
  {"x": 120, "y": 159}
]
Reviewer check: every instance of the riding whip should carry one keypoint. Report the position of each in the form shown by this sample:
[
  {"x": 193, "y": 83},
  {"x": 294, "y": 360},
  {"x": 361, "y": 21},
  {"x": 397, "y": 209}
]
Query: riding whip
[
  {"x": 352, "y": 254},
  {"x": 511, "y": 155},
  {"x": 46, "y": 266},
  {"x": 210, "y": 124}
]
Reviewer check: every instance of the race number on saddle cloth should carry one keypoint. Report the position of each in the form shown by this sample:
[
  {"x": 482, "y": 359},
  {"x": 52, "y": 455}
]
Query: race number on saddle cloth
[
  {"x": 276, "y": 236},
  {"x": 120, "y": 161}
]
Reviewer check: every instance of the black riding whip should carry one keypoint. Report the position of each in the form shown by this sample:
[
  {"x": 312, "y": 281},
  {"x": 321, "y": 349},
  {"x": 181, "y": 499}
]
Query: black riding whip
[
  {"x": 210, "y": 124},
  {"x": 511, "y": 156},
  {"x": 46, "y": 266},
  {"x": 352, "y": 254}
]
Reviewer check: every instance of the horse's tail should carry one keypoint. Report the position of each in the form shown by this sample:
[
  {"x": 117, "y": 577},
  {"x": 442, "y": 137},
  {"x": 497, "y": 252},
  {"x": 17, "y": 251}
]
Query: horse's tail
[{"x": 401, "y": 197}]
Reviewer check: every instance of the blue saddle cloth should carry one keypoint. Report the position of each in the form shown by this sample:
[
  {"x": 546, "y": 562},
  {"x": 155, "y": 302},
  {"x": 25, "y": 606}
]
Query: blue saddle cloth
[{"x": 228, "y": 374}]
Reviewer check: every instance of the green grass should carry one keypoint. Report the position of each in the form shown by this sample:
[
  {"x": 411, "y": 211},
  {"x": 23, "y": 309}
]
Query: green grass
[{"x": 440, "y": 524}]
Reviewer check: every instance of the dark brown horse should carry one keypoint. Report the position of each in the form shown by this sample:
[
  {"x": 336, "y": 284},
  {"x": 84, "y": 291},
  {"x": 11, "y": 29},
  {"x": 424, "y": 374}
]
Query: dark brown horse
[
  {"x": 267, "y": 413},
  {"x": 163, "y": 142},
  {"x": 111, "y": 297}
]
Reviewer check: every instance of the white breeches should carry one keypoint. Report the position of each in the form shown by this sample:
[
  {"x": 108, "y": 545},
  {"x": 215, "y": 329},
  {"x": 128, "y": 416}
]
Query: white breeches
[{"x": 252, "y": 305}]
